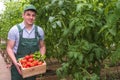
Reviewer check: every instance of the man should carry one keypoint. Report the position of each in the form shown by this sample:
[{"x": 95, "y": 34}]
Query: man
[{"x": 23, "y": 39}]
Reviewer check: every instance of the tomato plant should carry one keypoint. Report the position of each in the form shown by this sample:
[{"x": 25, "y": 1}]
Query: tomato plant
[{"x": 83, "y": 32}]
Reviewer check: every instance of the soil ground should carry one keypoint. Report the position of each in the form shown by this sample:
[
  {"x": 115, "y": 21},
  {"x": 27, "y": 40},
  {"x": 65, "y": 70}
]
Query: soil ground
[
  {"x": 4, "y": 71},
  {"x": 51, "y": 70}
]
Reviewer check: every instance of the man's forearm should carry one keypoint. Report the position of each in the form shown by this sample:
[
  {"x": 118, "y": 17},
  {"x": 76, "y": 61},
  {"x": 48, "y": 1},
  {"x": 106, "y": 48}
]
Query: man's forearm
[
  {"x": 11, "y": 55},
  {"x": 13, "y": 58},
  {"x": 43, "y": 50},
  {"x": 42, "y": 47}
]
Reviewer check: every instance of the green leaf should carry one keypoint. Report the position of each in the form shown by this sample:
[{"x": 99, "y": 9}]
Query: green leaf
[
  {"x": 58, "y": 23},
  {"x": 51, "y": 19}
]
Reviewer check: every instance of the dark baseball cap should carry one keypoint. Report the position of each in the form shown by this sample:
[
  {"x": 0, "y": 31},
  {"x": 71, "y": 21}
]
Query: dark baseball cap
[{"x": 30, "y": 7}]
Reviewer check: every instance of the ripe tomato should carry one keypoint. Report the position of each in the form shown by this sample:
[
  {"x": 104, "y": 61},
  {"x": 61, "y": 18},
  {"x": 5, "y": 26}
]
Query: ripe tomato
[
  {"x": 31, "y": 55},
  {"x": 28, "y": 64},
  {"x": 27, "y": 57},
  {"x": 24, "y": 66},
  {"x": 23, "y": 61},
  {"x": 31, "y": 64},
  {"x": 35, "y": 62},
  {"x": 40, "y": 63},
  {"x": 30, "y": 59}
]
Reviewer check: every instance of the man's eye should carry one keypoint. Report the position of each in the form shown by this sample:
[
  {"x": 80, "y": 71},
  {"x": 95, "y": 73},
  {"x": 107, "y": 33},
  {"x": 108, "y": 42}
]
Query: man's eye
[
  {"x": 28, "y": 14},
  {"x": 33, "y": 15}
]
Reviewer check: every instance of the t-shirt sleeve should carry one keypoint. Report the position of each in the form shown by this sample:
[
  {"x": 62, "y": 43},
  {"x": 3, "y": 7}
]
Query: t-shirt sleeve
[
  {"x": 12, "y": 34},
  {"x": 41, "y": 33}
]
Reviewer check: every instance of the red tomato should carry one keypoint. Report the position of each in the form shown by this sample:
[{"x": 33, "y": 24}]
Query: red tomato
[
  {"x": 30, "y": 59},
  {"x": 35, "y": 62},
  {"x": 28, "y": 64},
  {"x": 31, "y": 55},
  {"x": 23, "y": 61},
  {"x": 27, "y": 57},
  {"x": 24, "y": 66},
  {"x": 40, "y": 63},
  {"x": 31, "y": 64}
]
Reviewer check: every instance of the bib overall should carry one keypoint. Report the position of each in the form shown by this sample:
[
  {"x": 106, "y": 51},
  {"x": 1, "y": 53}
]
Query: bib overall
[{"x": 26, "y": 46}]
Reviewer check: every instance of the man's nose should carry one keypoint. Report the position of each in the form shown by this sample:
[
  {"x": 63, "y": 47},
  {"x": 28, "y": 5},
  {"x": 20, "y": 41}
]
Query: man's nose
[{"x": 31, "y": 16}]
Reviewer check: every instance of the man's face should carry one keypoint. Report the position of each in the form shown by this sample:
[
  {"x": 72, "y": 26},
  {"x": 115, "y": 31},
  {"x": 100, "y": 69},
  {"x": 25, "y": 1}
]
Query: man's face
[{"x": 29, "y": 17}]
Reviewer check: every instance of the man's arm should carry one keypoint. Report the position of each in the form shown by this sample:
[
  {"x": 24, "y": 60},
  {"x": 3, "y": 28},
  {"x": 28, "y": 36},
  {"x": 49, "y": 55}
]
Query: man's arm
[
  {"x": 42, "y": 47},
  {"x": 10, "y": 45}
]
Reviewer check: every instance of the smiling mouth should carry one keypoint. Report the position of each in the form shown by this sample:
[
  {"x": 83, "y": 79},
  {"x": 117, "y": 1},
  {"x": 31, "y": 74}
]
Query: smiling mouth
[{"x": 30, "y": 20}]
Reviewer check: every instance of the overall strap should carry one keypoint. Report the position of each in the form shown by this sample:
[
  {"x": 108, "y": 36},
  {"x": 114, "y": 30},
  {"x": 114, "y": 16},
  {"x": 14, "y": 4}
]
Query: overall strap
[
  {"x": 37, "y": 35},
  {"x": 18, "y": 26},
  {"x": 20, "y": 31}
]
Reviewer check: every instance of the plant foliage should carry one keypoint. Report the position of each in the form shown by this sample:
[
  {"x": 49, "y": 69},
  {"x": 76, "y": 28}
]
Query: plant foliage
[{"x": 85, "y": 32}]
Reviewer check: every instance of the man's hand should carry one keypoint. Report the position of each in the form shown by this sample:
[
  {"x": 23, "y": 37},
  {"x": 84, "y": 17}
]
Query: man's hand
[{"x": 18, "y": 66}]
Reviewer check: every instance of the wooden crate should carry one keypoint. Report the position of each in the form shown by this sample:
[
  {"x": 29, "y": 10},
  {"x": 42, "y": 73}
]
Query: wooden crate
[{"x": 27, "y": 72}]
